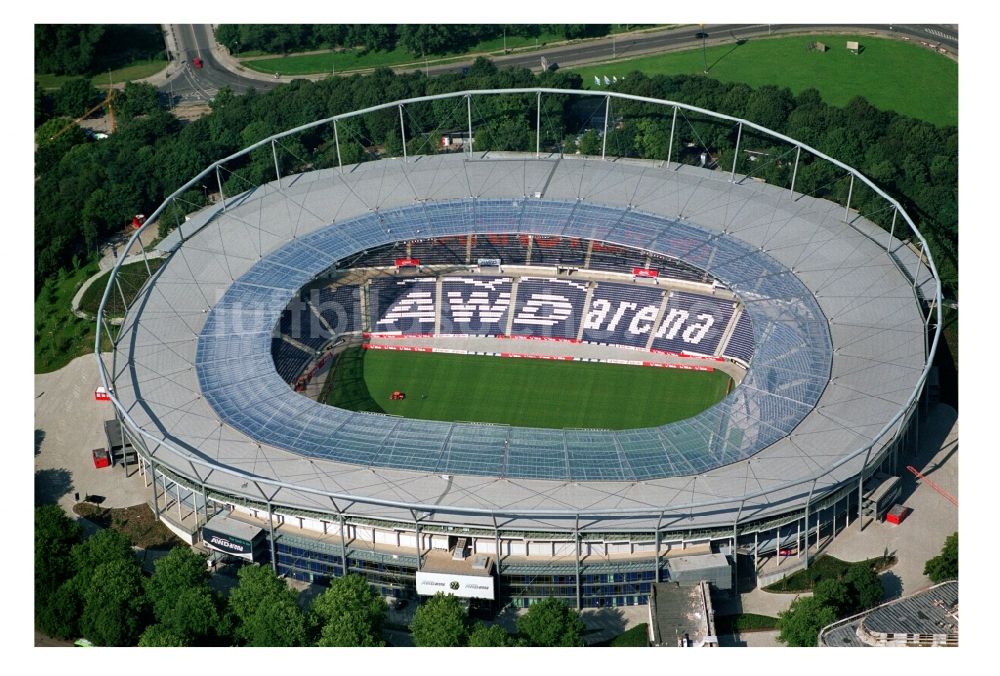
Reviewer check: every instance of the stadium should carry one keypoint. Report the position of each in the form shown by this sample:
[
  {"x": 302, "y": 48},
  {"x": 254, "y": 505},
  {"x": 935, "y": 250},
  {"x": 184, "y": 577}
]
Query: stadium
[{"x": 740, "y": 366}]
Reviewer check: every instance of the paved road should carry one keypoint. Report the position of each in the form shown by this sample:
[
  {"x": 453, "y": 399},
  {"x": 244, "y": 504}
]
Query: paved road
[
  {"x": 186, "y": 84},
  {"x": 638, "y": 44}
]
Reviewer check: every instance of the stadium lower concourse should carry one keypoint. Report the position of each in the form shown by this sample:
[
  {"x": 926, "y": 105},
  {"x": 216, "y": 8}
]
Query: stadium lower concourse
[{"x": 819, "y": 315}]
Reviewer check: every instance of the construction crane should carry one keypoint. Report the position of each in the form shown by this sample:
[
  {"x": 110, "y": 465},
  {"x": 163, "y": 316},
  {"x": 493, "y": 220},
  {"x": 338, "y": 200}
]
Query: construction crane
[
  {"x": 106, "y": 102},
  {"x": 947, "y": 496}
]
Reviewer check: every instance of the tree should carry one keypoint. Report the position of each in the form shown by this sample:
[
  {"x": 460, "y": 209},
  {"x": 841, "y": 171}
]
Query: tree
[
  {"x": 75, "y": 97},
  {"x": 280, "y": 624},
  {"x": 482, "y": 67},
  {"x": 194, "y": 616},
  {"x": 505, "y": 134},
  {"x": 419, "y": 39},
  {"x": 865, "y": 587},
  {"x": 55, "y": 536},
  {"x": 54, "y": 139},
  {"x": 439, "y": 621},
  {"x": 160, "y": 636},
  {"x": 266, "y": 610},
  {"x": 944, "y": 566},
  {"x": 104, "y": 546},
  {"x": 836, "y": 594},
  {"x": 66, "y": 49},
  {"x": 56, "y": 604},
  {"x": 43, "y": 105},
  {"x": 590, "y": 143},
  {"x": 550, "y": 622},
  {"x": 181, "y": 599},
  {"x": 585, "y": 30},
  {"x": 137, "y": 98},
  {"x": 493, "y": 636},
  {"x": 180, "y": 570},
  {"x": 114, "y": 605},
  {"x": 652, "y": 139},
  {"x": 58, "y": 613},
  {"x": 349, "y": 613},
  {"x": 801, "y": 623}
]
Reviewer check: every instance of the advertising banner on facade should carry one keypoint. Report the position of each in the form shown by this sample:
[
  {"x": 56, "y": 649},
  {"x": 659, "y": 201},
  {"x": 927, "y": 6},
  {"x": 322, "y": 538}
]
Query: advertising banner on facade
[
  {"x": 645, "y": 272},
  {"x": 407, "y": 262},
  {"x": 229, "y": 544},
  {"x": 465, "y": 586}
]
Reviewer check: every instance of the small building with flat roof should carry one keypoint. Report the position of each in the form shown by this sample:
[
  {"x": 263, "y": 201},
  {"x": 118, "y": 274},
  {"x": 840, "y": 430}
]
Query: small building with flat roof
[
  {"x": 690, "y": 570},
  {"x": 681, "y": 616}
]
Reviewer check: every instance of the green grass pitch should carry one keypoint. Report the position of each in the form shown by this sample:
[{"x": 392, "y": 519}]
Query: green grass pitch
[{"x": 522, "y": 392}]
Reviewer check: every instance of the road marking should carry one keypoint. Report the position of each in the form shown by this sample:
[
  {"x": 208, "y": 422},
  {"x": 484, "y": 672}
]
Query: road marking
[{"x": 940, "y": 34}]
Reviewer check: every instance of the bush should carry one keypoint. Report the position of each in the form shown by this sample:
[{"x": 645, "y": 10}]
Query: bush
[{"x": 944, "y": 566}]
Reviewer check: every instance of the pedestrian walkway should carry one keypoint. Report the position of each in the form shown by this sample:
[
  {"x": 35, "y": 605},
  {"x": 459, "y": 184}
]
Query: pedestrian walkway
[{"x": 68, "y": 424}]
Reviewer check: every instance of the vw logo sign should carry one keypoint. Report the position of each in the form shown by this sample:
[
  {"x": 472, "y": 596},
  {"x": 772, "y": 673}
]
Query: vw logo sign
[{"x": 454, "y": 585}]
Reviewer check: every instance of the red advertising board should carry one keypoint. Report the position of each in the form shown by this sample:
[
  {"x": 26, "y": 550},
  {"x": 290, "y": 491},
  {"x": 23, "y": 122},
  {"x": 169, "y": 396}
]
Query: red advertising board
[
  {"x": 645, "y": 272},
  {"x": 407, "y": 262}
]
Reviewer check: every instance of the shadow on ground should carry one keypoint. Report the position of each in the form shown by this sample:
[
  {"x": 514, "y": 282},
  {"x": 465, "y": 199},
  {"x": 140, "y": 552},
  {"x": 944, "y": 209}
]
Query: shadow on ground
[
  {"x": 52, "y": 484},
  {"x": 603, "y": 624},
  {"x": 39, "y": 438},
  {"x": 736, "y": 45},
  {"x": 892, "y": 586},
  {"x": 932, "y": 441},
  {"x": 731, "y": 641}
]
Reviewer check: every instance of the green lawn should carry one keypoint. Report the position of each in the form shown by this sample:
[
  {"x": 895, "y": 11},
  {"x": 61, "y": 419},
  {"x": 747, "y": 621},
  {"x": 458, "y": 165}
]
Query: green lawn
[
  {"x": 60, "y": 336},
  {"x": 524, "y": 392},
  {"x": 892, "y": 74},
  {"x": 137, "y": 70},
  {"x": 131, "y": 277},
  {"x": 636, "y": 637}
]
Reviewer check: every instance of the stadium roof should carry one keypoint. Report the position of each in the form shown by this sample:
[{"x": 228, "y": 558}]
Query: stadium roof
[
  {"x": 826, "y": 286},
  {"x": 788, "y": 373}
]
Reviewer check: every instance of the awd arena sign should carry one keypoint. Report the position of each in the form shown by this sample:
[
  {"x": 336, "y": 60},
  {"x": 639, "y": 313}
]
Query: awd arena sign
[{"x": 227, "y": 543}]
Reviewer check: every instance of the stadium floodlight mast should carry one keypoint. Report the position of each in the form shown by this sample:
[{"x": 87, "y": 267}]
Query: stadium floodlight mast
[{"x": 154, "y": 448}]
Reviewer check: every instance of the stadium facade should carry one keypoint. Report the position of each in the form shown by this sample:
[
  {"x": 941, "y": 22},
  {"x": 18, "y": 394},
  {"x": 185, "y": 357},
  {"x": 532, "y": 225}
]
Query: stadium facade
[{"x": 830, "y": 320}]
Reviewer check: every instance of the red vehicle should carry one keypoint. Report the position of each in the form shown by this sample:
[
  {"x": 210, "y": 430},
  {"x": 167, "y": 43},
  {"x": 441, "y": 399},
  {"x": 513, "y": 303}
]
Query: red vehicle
[{"x": 198, "y": 63}]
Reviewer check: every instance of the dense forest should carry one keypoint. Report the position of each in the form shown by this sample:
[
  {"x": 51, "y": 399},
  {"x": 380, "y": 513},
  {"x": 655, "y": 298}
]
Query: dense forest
[
  {"x": 417, "y": 39},
  {"x": 89, "y": 49},
  {"x": 86, "y": 190}
]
